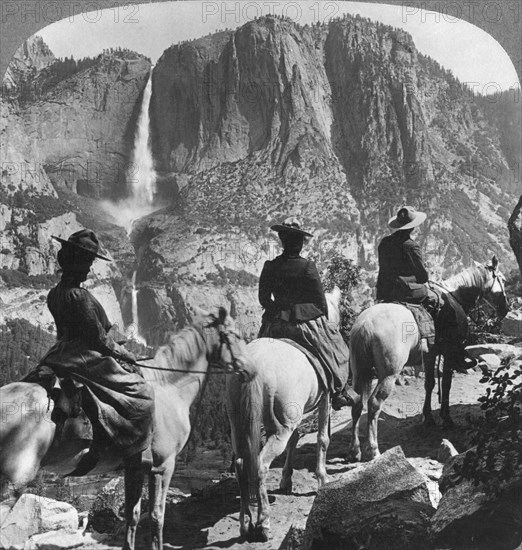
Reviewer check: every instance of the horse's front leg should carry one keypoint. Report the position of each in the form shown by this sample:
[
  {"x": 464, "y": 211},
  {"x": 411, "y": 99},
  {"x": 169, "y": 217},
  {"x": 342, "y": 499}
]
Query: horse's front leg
[
  {"x": 134, "y": 475},
  {"x": 429, "y": 384},
  {"x": 447, "y": 375},
  {"x": 286, "y": 480},
  {"x": 323, "y": 438},
  {"x": 159, "y": 480}
]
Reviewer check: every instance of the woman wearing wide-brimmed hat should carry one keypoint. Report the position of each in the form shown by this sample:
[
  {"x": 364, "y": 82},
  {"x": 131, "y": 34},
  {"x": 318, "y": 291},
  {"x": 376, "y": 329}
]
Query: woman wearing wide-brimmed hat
[
  {"x": 402, "y": 274},
  {"x": 118, "y": 401},
  {"x": 291, "y": 293},
  {"x": 403, "y": 277}
]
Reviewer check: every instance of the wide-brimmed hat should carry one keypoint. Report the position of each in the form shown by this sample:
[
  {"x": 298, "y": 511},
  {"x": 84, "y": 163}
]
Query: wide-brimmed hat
[
  {"x": 406, "y": 218},
  {"x": 290, "y": 225},
  {"x": 86, "y": 240}
]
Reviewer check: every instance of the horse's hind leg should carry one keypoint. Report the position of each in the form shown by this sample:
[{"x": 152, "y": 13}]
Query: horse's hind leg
[
  {"x": 323, "y": 438},
  {"x": 246, "y": 527},
  {"x": 362, "y": 386},
  {"x": 134, "y": 476},
  {"x": 274, "y": 446},
  {"x": 379, "y": 395},
  {"x": 286, "y": 480}
]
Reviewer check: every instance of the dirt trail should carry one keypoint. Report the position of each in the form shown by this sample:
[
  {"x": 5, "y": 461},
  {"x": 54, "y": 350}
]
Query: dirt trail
[{"x": 210, "y": 521}]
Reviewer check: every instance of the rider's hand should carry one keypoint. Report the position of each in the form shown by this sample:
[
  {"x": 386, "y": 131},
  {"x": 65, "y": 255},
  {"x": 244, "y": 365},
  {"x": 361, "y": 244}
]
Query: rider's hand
[{"x": 130, "y": 357}]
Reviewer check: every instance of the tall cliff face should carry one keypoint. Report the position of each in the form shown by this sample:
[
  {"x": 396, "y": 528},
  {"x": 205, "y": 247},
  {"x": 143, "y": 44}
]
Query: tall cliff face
[
  {"x": 339, "y": 124},
  {"x": 66, "y": 129}
]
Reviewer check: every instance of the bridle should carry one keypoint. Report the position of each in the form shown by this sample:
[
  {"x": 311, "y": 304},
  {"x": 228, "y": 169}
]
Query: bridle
[
  {"x": 215, "y": 358},
  {"x": 480, "y": 296}
]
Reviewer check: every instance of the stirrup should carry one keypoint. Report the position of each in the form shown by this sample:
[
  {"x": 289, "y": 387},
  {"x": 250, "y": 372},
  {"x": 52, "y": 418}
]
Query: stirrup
[{"x": 147, "y": 460}]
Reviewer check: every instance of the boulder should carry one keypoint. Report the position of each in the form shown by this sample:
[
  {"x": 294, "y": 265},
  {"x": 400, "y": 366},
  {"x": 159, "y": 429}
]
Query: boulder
[
  {"x": 446, "y": 451},
  {"x": 512, "y": 323},
  {"x": 55, "y": 540},
  {"x": 489, "y": 361},
  {"x": 293, "y": 539},
  {"x": 107, "y": 512},
  {"x": 469, "y": 515},
  {"x": 504, "y": 351},
  {"x": 33, "y": 514},
  {"x": 5, "y": 507},
  {"x": 382, "y": 504}
]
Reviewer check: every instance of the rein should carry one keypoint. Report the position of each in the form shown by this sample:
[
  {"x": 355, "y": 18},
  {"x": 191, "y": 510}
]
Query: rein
[
  {"x": 480, "y": 296},
  {"x": 223, "y": 340}
]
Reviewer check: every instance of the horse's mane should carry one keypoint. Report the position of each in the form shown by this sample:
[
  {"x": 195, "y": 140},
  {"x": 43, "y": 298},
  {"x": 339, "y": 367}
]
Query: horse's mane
[
  {"x": 473, "y": 277},
  {"x": 180, "y": 352}
]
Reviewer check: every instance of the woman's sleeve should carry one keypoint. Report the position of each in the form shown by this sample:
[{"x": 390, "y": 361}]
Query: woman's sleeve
[
  {"x": 265, "y": 287},
  {"x": 316, "y": 287},
  {"x": 86, "y": 310}
]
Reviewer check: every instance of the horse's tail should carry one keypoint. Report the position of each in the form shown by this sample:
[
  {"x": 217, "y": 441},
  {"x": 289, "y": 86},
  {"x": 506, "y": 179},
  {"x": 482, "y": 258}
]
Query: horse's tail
[
  {"x": 361, "y": 360},
  {"x": 251, "y": 412}
]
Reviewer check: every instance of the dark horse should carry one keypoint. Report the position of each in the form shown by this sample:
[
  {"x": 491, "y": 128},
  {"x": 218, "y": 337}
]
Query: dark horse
[
  {"x": 27, "y": 432},
  {"x": 382, "y": 338}
]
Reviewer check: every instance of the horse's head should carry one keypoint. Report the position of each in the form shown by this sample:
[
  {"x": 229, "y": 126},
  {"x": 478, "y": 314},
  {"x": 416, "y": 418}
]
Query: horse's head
[
  {"x": 228, "y": 349},
  {"x": 333, "y": 300},
  {"x": 495, "y": 292}
]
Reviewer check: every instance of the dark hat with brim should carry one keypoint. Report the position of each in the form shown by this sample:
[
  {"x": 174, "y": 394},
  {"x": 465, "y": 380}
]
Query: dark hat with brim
[
  {"x": 407, "y": 218},
  {"x": 290, "y": 225},
  {"x": 85, "y": 240}
]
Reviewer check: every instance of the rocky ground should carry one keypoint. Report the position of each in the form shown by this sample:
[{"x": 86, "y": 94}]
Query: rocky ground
[{"x": 209, "y": 518}]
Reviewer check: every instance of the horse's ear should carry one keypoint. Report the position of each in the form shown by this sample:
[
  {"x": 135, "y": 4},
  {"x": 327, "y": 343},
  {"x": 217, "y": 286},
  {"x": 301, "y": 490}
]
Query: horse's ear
[
  {"x": 222, "y": 315},
  {"x": 494, "y": 262}
]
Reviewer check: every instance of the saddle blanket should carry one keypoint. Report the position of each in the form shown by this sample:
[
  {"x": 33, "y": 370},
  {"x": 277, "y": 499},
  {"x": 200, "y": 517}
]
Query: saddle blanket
[
  {"x": 424, "y": 321},
  {"x": 316, "y": 364}
]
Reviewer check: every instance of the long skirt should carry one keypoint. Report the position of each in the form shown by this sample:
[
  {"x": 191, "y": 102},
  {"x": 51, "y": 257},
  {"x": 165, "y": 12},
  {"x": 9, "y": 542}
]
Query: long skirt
[
  {"x": 118, "y": 398},
  {"x": 319, "y": 337}
]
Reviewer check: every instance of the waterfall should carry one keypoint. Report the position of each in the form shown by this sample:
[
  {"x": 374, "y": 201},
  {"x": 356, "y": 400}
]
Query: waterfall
[
  {"x": 135, "y": 335},
  {"x": 140, "y": 175}
]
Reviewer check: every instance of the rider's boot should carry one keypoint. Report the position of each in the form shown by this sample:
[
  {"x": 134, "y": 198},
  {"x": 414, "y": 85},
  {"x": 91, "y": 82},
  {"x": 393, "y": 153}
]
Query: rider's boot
[{"x": 347, "y": 397}]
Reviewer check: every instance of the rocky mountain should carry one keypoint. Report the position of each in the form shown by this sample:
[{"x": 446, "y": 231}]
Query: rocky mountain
[
  {"x": 338, "y": 124},
  {"x": 66, "y": 136}
]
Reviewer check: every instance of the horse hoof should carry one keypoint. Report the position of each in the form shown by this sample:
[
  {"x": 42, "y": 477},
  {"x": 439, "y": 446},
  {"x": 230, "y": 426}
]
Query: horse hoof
[
  {"x": 248, "y": 533},
  {"x": 261, "y": 534},
  {"x": 354, "y": 456}
]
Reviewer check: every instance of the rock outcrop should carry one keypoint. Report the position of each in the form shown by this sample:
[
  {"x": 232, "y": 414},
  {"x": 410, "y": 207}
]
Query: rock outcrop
[
  {"x": 33, "y": 514},
  {"x": 472, "y": 514},
  {"x": 382, "y": 504}
]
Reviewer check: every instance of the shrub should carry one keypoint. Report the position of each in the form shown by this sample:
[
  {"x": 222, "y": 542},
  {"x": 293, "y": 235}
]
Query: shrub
[
  {"x": 497, "y": 436},
  {"x": 346, "y": 275}
]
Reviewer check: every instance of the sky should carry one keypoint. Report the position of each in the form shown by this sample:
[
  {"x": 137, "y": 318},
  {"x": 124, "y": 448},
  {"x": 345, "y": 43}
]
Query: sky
[{"x": 470, "y": 53}]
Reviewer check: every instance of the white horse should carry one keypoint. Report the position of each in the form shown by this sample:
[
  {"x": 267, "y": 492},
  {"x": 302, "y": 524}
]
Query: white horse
[
  {"x": 279, "y": 387},
  {"x": 382, "y": 338},
  {"x": 27, "y": 431}
]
